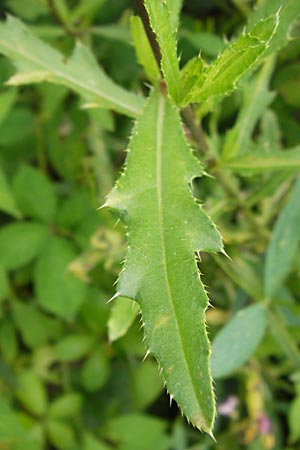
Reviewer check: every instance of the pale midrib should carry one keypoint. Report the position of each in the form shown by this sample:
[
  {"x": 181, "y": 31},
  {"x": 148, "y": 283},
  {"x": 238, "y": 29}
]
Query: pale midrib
[
  {"x": 72, "y": 80},
  {"x": 159, "y": 137}
]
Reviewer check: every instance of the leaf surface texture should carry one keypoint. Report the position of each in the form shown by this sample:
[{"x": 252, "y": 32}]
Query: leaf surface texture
[
  {"x": 165, "y": 227},
  {"x": 36, "y": 61}
]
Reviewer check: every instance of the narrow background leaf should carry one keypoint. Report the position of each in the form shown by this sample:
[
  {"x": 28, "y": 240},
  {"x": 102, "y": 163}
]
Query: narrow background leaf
[
  {"x": 27, "y": 52},
  {"x": 284, "y": 243},
  {"x": 237, "y": 340}
]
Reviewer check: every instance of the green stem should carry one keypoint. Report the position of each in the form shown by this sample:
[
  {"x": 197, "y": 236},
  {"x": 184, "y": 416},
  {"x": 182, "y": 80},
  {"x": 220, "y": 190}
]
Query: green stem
[
  {"x": 150, "y": 33},
  {"x": 195, "y": 129}
]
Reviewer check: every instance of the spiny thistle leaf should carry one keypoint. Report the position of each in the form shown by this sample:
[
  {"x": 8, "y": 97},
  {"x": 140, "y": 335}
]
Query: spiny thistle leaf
[
  {"x": 221, "y": 77},
  {"x": 165, "y": 227},
  {"x": 37, "y": 61}
]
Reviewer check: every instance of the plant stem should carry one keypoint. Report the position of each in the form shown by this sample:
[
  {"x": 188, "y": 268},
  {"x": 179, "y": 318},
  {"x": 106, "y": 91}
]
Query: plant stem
[
  {"x": 195, "y": 129},
  {"x": 72, "y": 32},
  {"x": 150, "y": 33}
]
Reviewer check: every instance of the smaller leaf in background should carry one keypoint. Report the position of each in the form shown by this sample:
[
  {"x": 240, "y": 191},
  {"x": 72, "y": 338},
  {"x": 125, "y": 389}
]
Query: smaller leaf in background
[
  {"x": 95, "y": 370},
  {"x": 52, "y": 99},
  {"x": 21, "y": 243},
  {"x": 190, "y": 75},
  {"x": 10, "y": 427},
  {"x": 289, "y": 12},
  {"x": 3, "y": 284},
  {"x": 143, "y": 49},
  {"x": 94, "y": 311},
  {"x": 284, "y": 243},
  {"x": 91, "y": 443},
  {"x": 73, "y": 347},
  {"x": 33, "y": 440},
  {"x": 65, "y": 406},
  {"x": 243, "y": 273},
  {"x": 34, "y": 9},
  {"x": 61, "y": 435},
  {"x": 237, "y": 340},
  {"x": 103, "y": 120},
  {"x": 259, "y": 162},
  {"x": 286, "y": 82},
  {"x": 236, "y": 60},
  {"x": 65, "y": 145},
  {"x": 8, "y": 341},
  {"x": 57, "y": 290},
  {"x": 7, "y": 100},
  {"x": 17, "y": 125},
  {"x": 270, "y": 133},
  {"x": 28, "y": 52},
  {"x": 148, "y": 384},
  {"x": 256, "y": 98},
  {"x": 138, "y": 432},
  {"x": 36, "y": 328},
  {"x": 160, "y": 21},
  {"x": 31, "y": 393},
  {"x": 122, "y": 314},
  {"x": 7, "y": 201},
  {"x": 294, "y": 419},
  {"x": 74, "y": 209},
  {"x": 34, "y": 194}
]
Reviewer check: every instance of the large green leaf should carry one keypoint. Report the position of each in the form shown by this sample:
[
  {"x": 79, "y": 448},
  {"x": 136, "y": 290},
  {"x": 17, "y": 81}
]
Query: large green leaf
[
  {"x": 166, "y": 227},
  {"x": 160, "y": 20},
  {"x": 284, "y": 243},
  {"x": 36, "y": 61},
  {"x": 221, "y": 77}
]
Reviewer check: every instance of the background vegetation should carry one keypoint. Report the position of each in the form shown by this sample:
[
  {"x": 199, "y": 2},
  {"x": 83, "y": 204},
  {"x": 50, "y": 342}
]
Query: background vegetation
[{"x": 63, "y": 383}]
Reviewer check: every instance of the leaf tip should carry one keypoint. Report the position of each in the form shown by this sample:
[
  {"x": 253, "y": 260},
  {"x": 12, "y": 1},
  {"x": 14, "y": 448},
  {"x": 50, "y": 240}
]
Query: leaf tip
[
  {"x": 117, "y": 294},
  {"x": 223, "y": 251},
  {"x": 212, "y": 436}
]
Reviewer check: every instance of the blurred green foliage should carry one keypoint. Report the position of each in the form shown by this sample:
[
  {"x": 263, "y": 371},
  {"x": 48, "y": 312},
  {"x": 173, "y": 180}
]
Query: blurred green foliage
[{"x": 63, "y": 384}]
